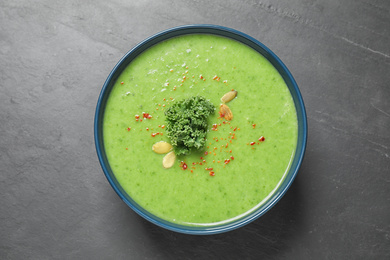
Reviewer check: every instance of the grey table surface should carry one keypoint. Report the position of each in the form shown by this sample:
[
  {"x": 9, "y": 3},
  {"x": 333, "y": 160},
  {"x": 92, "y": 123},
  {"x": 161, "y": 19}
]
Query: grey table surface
[{"x": 55, "y": 202}]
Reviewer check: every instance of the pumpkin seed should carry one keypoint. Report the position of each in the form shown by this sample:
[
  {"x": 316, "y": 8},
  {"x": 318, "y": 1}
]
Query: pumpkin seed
[
  {"x": 162, "y": 147},
  {"x": 169, "y": 160},
  {"x": 225, "y": 112},
  {"x": 229, "y": 96}
]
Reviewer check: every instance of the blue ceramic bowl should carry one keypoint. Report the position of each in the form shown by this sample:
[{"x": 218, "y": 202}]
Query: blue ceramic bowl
[{"x": 215, "y": 30}]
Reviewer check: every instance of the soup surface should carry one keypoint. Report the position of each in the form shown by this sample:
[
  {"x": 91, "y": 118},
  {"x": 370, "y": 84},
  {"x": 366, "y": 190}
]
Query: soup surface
[{"x": 244, "y": 159}]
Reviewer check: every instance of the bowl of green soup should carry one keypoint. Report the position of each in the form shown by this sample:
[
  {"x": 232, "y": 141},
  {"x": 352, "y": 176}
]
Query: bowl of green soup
[{"x": 200, "y": 129}]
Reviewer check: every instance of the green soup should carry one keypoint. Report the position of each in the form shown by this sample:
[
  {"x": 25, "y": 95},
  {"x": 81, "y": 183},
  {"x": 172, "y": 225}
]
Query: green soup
[{"x": 244, "y": 160}]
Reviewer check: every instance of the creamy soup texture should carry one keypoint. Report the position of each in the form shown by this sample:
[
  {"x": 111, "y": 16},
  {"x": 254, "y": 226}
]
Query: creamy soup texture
[{"x": 244, "y": 159}]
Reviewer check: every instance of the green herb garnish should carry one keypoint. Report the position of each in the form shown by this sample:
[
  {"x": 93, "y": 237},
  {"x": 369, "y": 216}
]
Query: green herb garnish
[{"x": 187, "y": 123}]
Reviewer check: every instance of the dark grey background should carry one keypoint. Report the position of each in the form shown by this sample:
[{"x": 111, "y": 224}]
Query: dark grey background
[{"x": 55, "y": 201}]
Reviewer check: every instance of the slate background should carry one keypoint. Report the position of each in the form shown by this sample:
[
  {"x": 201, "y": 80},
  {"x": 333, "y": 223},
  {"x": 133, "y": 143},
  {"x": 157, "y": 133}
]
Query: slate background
[{"x": 55, "y": 202}]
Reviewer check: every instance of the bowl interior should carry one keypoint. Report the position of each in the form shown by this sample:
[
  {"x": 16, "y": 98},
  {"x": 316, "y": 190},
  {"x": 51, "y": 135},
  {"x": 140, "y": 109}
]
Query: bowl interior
[{"x": 220, "y": 31}]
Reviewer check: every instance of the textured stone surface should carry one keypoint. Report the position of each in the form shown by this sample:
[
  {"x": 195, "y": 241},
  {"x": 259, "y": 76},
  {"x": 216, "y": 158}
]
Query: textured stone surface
[{"x": 55, "y": 202}]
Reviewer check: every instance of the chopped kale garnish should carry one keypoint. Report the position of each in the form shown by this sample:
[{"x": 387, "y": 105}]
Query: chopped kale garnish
[{"x": 187, "y": 123}]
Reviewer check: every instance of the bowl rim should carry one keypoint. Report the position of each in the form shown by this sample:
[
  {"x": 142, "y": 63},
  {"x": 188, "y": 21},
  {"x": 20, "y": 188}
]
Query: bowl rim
[{"x": 231, "y": 34}]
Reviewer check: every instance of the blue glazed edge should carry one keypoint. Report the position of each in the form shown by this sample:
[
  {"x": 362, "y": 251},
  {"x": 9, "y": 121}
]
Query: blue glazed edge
[{"x": 232, "y": 34}]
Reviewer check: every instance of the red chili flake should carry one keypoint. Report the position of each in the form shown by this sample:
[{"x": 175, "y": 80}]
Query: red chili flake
[
  {"x": 201, "y": 77},
  {"x": 127, "y": 148},
  {"x": 147, "y": 128},
  {"x": 227, "y": 161},
  {"x": 201, "y": 158},
  {"x": 253, "y": 143},
  {"x": 231, "y": 157},
  {"x": 192, "y": 171},
  {"x": 205, "y": 153},
  {"x": 209, "y": 169},
  {"x": 136, "y": 116},
  {"x": 183, "y": 165},
  {"x": 122, "y": 83},
  {"x": 230, "y": 151},
  {"x": 129, "y": 128},
  {"x": 262, "y": 139},
  {"x": 171, "y": 70},
  {"x": 235, "y": 129},
  {"x": 253, "y": 125},
  {"x": 211, "y": 173},
  {"x": 215, "y": 127},
  {"x": 194, "y": 163},
  {"x": 154, "y": 134}
]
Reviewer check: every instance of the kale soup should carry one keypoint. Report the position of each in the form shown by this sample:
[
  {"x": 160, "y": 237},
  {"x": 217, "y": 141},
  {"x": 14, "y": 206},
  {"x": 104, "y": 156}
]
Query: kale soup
[{"x": 200, "y": 130}]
